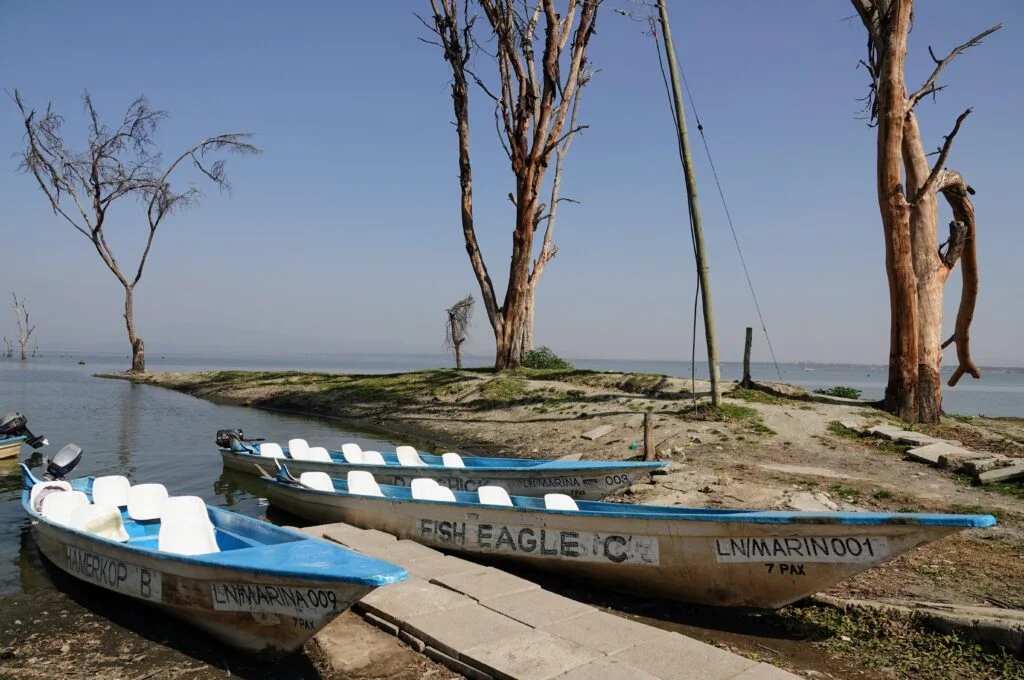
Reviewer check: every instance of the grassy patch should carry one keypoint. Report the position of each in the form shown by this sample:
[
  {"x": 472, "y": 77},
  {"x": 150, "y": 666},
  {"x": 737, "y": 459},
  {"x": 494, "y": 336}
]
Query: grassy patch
[
  {"x": 755, "y": 396},
  {"x": 840, "y": 391},
  {"x": 903, "y": 646},
  {"x": 837, "y": 429},
  {"x": 503, "y": 389},
  {"x": 882, "y": 495},
  {"x": 847, "y": 493}
]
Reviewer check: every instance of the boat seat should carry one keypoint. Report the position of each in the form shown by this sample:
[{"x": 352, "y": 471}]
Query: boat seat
[
  {"x": 409, "y": 456},
  {"x": 421, "y": 488},
  {"x": 494, "y": 495},
  {"x": 442, "y": 493},
  {"x": 297, "y": 445},
  {"x": 373, "y": 458},
  {"x": 352, "y": 453},
  {"x": 453, "y": 460},
  {"x": 103, "y": 520},
  {"x": 271, "y": 450},
  {"x": 60, "y": 507},
  {"x": 111, "y": 490},
  {"x": 362, "y": 483},
  {"x": 185, "y": 527},
  {"x": 146, "y": 501},
  {"x": 320, "y": 481},
  {"x": 559, "y": 501},
  {"x": 319, "y": 454},
  {"x": 49, "y": 487}
]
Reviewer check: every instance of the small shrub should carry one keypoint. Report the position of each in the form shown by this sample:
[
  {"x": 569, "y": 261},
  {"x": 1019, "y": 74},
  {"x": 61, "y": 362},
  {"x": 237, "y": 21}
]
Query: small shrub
[
  {"x": 840, "y": 391},
  {"x": 542, "y": 357}
]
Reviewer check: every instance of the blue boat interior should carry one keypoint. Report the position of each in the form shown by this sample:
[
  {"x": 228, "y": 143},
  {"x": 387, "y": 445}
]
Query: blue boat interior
[
  {"x": 245, "y": 543},
  {"x": 490, "y": 464},
  {"x": 638, "y": 511}
]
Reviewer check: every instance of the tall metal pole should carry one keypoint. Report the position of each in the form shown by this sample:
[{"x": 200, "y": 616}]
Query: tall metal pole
[{"x": 691, "y": 196}]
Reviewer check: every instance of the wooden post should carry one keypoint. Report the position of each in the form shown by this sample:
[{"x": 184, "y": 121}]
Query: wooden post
[
  {"x": 691, "y": 195},
  {"x": 649, "y": 448},
  {"x": 747, "y": 382}
]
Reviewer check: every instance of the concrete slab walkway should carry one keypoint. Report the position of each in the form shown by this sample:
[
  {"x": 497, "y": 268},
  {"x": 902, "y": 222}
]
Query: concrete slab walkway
[{"x": 487, "y": 624}]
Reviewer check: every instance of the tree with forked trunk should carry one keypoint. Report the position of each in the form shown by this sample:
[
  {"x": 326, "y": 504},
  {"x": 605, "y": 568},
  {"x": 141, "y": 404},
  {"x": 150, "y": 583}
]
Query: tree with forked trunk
[
  {"x": 536, "y": 101},
  {"x": 916, "y": 264},
  {"x": 24, "y": 329},
  {"x": 119, "y": 162},
  {"x": 458, "y": 318}
]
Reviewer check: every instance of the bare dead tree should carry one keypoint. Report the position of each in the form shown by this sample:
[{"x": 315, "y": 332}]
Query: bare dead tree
[
  {"x": 536, "y": 100},
  {"x": 916, "y": 265},
  {"x": 456, "y": 331},
  {"x": 8, "y": 348},
  {"x": 119, "y": 162},
  {"x": 24, "y": 329}
]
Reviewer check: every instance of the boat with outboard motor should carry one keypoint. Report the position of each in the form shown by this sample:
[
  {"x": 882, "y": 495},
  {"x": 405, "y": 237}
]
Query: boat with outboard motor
[
  {"x": 253, "y": 585},
  {"x": 748, "y": 558},
  {"x": 590, "y": 480},
  {"x": 14, "y": 432}
]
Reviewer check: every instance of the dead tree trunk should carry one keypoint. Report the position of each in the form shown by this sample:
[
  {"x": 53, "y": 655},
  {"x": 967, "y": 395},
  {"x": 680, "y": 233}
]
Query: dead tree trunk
[
  {"x": 748, "y": 344},
  {"x": 533, "y": 101},
  {"x": 916, "y": 265},
  {"x": 24, "y": 329}
]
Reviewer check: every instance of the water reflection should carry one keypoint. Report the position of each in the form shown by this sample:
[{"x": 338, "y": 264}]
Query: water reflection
[
  {"x": 128, "y": 432},
  {"x": 236, "y": 486}
]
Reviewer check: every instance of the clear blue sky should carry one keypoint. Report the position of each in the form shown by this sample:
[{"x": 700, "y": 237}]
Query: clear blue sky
[{"x": 345, "y": 236}]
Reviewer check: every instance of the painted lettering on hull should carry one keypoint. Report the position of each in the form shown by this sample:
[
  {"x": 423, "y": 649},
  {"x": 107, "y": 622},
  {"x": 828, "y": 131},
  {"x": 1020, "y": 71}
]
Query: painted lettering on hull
[
  {"x": 856, "y": 549},
  {"x": 272, "y": 599},
  {"x": 568, "y": 485},
  {"x": 113, "y": 574},
  {"x": 508, "y": 539}
]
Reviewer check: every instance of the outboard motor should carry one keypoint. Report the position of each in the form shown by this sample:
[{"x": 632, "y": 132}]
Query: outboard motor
[
  {"x": 64, "y": 462},
  {"x": 13, "y": 424},
  {"x": 227, "y": 439}
]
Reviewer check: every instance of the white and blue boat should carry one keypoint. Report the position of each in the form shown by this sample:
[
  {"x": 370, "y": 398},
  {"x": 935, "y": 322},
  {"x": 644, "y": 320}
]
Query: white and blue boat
[
  {"x": 590, "y": 480},
  {"x": 746, "y": 558},
  {"x": 256, "y": 586}
]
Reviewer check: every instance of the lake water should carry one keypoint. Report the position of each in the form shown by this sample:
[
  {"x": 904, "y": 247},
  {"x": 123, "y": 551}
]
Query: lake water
[{"x": 152, "y": 434}]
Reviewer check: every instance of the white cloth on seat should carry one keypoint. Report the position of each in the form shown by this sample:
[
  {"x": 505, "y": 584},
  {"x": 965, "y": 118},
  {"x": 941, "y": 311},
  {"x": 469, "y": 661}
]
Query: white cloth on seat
[
  {"x": 185, "y": 527},
  {"x": 111, "y": 490},
  {"x": 103, "y": 520},
  {"x": 49, "y": 487},
  {"x": 146, "y": 501}
]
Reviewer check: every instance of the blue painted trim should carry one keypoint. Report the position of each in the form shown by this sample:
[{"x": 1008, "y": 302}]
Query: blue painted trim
[
  {"x": 249, "y": 546},
  {"x": 469, "y": 499}
]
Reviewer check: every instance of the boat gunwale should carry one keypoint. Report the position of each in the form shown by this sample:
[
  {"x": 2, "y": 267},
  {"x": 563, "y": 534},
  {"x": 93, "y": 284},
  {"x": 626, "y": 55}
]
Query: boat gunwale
[
  {"x": 642, "y": 512},
  {"x": 209, "y": 560}
]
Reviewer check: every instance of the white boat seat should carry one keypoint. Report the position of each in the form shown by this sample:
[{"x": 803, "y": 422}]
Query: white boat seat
[
  {"x": 362, "y": 483},
  {"x": 452, "y": 459},
  {"x": 185, "y": 527},
  {"x": 103, "y": 520},
  {"x": 442, "y": 493},
  {"x": 352, "y": 452},
  {"x": 111, "y": 490},
  {"x": 559, "y": 501},
  {"x": 373, "y": 458},
  {"x": 60, "y": 507},
  {"x": 318, "y": 454},
  {"x": 421, "y": 488},
  {"x": 321, "y": 481},
  {"x": 146, "y": 501},
  {"x": 409, "y": 456},
  {"x": 271, "y": 450},
  {"x": 493, "y": 495},
  {"x": 49, "y": 487},
  {"x": 300, "y": 445}
]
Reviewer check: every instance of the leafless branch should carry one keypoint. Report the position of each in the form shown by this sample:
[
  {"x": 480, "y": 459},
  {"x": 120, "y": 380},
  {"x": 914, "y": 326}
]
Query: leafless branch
[
  {"x": 929, "y": 86},
  {"x": 930, "y": 184},
  {"x": 458, "y": 318}
]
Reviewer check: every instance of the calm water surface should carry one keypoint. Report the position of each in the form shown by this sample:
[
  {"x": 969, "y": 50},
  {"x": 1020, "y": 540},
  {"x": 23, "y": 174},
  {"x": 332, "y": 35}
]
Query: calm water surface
[{"x": 152, "y": 434}]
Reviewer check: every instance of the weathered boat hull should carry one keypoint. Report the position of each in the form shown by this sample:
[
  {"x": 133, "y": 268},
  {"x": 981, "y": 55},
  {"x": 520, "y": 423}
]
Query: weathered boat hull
[
  {"x": 720, "y": 559},
  {"x": 590, "y": 481},
  {"x": 10, "y": 447}
]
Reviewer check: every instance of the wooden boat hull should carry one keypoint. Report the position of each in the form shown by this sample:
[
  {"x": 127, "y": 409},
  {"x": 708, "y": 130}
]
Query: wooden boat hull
[
  {"x": 721, "y": 560},
  {"x": 10, "y": 447},
  {"x": 589, "y": 481}
]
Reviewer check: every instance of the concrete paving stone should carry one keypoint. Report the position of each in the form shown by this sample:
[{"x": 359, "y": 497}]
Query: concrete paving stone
[
  {"x": 458, "y": 666},
  {"x": 916, "y": 438},
  {"x": 385, "y": 626},
  {"x": 486, "y": 584},
  {"x": 534, "y": 655},
  {"x": 1002, "y": 474},
  {"x": 455, "y": 632},
  {"x": 763, "y": 671},
  {"x": 853, "y": 425},
  {"x": 412, "y": 640},
  {"x": 991, "y": 462},
  {"x": 685, "y": 659},
  {"x": 598, "y": 432},
  {"x": 366, "y": 542},
  {"x": 930, "y": 453},
  {"x": 401, "y": 553},
  {"x": 537, "y": 608},
  {"x": 339, "y": 532},
  {"x": 607, "y": 633},
  {"x": 399, "y": 601},
  {"x": 606, "y": 668},
  {"x": 885, "y": 431},
  {"x": 432, "y": 567}
]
